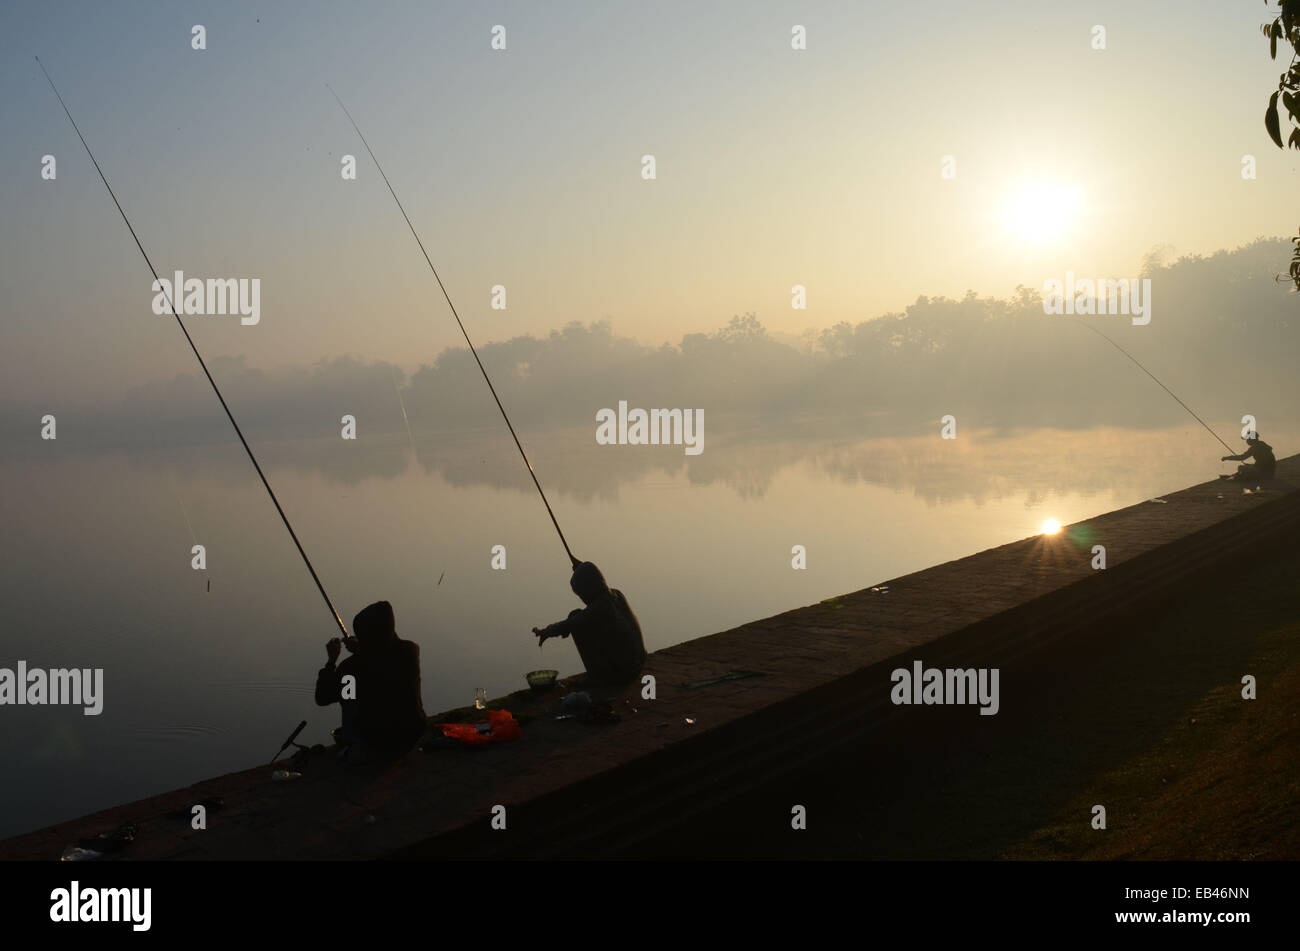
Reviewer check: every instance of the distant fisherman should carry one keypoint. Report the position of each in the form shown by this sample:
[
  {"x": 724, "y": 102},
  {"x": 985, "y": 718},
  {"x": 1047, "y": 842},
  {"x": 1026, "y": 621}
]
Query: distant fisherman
[
  {"x": 606, "y": 632},
  {"x": 1265, "y": 463}
]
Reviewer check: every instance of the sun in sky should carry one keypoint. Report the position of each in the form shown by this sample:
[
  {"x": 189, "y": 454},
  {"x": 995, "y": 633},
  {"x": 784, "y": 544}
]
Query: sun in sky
[
  {"x": 1041, "y": 211},
  {"x": 1051, "y": 526}
]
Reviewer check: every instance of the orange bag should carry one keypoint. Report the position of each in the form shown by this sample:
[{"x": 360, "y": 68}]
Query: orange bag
[{"x": 503, "y": 727}]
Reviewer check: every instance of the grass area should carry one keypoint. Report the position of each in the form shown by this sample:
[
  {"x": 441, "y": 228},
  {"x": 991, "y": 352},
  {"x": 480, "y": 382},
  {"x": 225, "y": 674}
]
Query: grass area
[{"x": 1222, "y": 782}]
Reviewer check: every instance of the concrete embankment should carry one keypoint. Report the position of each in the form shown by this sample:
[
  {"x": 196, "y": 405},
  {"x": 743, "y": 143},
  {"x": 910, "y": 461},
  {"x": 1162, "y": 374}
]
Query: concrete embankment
[{"x": 704, "y": 766}]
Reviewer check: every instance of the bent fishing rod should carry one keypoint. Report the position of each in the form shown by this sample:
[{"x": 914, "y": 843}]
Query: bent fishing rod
[
  {"x": 1153, "y": 376},
  {"x": 459, "y": 323},
  {"x": 190, "y": 340}
]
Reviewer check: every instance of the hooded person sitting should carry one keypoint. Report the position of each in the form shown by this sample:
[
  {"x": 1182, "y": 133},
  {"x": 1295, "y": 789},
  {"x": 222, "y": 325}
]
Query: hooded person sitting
[
  {"x": 606, "y": 632},
  {"x": 382, "y": 708},
  {"x": 1265, "y": 462}
]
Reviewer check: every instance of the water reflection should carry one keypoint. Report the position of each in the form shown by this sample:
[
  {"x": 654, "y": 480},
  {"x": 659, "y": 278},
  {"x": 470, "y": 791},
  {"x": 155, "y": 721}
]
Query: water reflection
[{"x": 976, "y": 466}]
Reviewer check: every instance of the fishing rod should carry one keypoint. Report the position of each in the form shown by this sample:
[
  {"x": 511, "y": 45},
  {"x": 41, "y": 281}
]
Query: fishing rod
[
  {"x": 1153, "y": 376},
  {"x": 290, "y": 742},
  {"x": 229, "y": 415},
  {"x": 459, "y": 323}
]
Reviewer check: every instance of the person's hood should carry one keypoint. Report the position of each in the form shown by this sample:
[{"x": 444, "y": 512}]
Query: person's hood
[
  {"x": 374, "y": 626},
  {"x": 588, "y": 583}
]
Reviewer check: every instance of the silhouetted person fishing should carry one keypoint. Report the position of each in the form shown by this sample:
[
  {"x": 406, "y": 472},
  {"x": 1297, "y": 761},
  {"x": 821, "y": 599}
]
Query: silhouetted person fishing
[
  {"x": 384, "y": 715},
  {"x": 1264, "y": 466},
  {"x": 606, "y": 632}
]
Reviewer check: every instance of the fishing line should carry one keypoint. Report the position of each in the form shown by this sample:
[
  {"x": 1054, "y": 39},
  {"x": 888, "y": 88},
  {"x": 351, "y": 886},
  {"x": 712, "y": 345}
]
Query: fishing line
[
  {"x": 176, "y": 493},
  {"x": 186, "y": 514},
  {"x": 459, "y": 323},
  {"x": 1153, "y": 376},
  {"x": 171, "y": 484},
  {"x": 402, "y": 403},
  {"x": 253, "y": 459},
  {"x": 189, "y": 525}
]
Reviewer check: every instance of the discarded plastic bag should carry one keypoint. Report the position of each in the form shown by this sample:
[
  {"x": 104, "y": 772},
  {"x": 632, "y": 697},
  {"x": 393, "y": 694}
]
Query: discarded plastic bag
[{"x": 501, "y": 727}]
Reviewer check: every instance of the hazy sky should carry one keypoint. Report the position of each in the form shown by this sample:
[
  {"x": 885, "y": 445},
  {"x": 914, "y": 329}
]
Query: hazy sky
[{"x": 522, "y": 167}]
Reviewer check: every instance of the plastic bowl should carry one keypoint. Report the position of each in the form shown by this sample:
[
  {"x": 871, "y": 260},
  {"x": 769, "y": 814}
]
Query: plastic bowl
[{"x": 541, "y": 679}]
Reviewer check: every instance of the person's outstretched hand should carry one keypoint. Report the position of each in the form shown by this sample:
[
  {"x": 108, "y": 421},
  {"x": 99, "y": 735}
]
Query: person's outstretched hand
[
  {"x": 541, "y": 637},
  {"x": 332, "y": 648}
]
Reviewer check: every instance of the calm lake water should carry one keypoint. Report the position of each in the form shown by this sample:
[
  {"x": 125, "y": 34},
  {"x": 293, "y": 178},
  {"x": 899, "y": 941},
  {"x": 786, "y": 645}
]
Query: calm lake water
[{"x": 198, "y": 683}]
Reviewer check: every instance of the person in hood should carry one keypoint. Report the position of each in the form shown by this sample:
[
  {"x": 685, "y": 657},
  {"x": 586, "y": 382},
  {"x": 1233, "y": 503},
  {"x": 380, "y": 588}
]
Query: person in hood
[
  {"x": 384, "y": 713},
  {"x": 606, "y": 632},
  {"x": 1265, "y": 463}
]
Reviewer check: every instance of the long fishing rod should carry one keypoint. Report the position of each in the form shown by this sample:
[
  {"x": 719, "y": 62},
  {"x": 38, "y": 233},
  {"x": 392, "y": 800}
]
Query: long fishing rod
[
  {"x": 1153, "y": 376},
  {"x": 253, "y": 459},
  {"x": 459, "y": 323}
]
